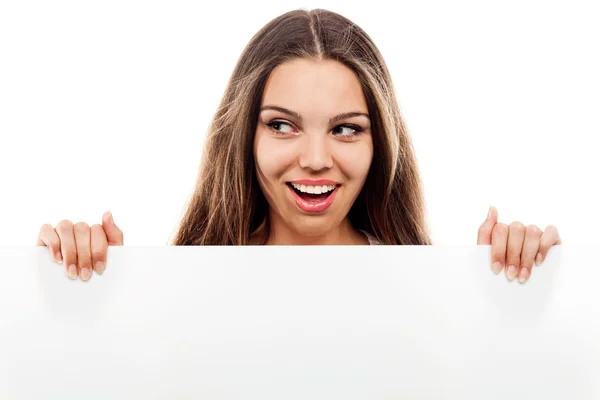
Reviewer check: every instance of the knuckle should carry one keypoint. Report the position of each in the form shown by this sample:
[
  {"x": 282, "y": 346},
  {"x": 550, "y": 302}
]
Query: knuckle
[
  {"x": 98, "y": 231},
  {"x": 64, "y": 225},
  {"x": 81, "y": 227},
  {"x": 42, "y": 236},
  {"x": 45, "y": 227},
  {"x": 517, "y": 226},
  {"x": 97, "y": 234},
  {"x": 501, "y": 228},
  {"x": 551, "y": 228},
  {"x": 533, "y": 230}
]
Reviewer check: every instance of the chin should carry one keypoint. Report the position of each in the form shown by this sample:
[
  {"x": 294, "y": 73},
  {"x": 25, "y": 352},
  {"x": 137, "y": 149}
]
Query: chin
[{"x": 312, "y": 225}]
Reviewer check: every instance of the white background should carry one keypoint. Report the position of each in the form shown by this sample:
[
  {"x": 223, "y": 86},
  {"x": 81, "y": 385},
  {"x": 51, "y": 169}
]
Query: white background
[{"x": 104, "y": 105}]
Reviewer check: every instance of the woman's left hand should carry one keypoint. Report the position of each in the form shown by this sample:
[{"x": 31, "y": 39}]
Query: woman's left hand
[{"x": 514, "y": 246}]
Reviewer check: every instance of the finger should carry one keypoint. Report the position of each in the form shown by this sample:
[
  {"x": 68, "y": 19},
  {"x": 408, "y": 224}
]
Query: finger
[
  {"x": 114, "y": 235},
  {"x": 499, "y": 240},
  {"x": 516, "y": 237},
  {"x": 82, "y": 234},
  {"x": 530, "y": 249},
  {"x": 549, "y": 238},
  {"x": 64, "y": 229},
  {"x": 49, "y": 238},
  {"x": 99, "y": 248},
  {"x": 484, "y": 234}
]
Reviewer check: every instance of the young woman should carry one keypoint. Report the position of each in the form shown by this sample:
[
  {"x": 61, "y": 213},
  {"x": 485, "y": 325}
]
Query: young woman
[{"x": 307, "y": 147}]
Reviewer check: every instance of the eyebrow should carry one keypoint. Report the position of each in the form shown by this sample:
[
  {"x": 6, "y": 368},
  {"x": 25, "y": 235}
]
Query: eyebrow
[{"x": 299, "y": 117}]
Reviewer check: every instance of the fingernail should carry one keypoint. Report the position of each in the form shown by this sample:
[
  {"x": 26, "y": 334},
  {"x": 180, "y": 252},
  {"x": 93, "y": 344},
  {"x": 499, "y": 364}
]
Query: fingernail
[
  {"x": 497, "y": 267},
  {"x": 489, "y": 213},
  {"x": 99, "y": 267},
  {"x": 86, "y": 273},
  {"x": 511, "y": 273},
  {"x": 538, "y": 259},
  {"x": 59, "y": 258},
  {"x": 72, "y": 271},
  {"x": 524, "y": 274},
  {"x": 112, "y": 221}
]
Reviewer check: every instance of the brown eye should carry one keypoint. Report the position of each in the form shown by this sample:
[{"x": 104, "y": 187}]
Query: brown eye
[
  {"x": 275, "y": 127},
  {"x": 356, "y": 130}
]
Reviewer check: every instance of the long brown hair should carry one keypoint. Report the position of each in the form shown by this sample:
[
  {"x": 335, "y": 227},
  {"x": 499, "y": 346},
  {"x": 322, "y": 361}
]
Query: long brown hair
[{"x": 227, "y": 205}]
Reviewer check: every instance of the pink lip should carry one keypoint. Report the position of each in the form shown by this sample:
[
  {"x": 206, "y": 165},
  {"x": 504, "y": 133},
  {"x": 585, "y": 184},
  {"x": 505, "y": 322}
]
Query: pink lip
[
  {"x": 314, "y": 182},
  {"x": 314, "y": 207}
]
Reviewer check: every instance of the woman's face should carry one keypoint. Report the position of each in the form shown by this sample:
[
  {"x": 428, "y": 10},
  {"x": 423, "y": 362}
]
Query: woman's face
[{"x": 312, "y": 147}]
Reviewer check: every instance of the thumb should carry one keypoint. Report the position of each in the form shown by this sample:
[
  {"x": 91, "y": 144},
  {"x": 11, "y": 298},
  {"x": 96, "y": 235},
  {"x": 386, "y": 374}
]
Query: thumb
[
  {"x": 113, "y": 234},
  {"x": 484, "y": 235}
]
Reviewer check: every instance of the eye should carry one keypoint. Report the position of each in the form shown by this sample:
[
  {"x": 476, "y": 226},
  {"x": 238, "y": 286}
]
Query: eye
[
  {"x": 273, "y": 125},
  {"x": 356, "y": 130}
]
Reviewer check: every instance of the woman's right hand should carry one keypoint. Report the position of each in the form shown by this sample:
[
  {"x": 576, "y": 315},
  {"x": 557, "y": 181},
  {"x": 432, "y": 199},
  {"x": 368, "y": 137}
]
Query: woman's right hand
[{"x": 80, "y": 246}]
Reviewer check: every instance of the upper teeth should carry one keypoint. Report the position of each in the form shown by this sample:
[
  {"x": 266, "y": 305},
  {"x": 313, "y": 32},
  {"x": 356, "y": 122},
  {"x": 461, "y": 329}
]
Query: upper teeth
[{"x": 314, "y": 189}]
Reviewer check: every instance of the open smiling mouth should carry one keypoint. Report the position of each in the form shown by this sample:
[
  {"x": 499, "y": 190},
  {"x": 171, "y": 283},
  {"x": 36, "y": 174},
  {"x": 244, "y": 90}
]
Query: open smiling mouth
[
  {"x": 313, "y": 202},
  {"x": 313, "y": 196}
]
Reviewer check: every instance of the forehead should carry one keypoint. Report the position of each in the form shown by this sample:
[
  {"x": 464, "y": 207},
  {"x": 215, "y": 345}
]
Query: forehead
[{"x": 314, "y": 88}]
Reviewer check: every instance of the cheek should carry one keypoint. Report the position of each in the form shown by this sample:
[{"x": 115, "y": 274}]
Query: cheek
[
  {"x": 272, "y": 158},
  {"x": 355, "y": 161}
]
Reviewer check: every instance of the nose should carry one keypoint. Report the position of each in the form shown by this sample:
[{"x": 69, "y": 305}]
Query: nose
[{"x": 315, "y": 152}]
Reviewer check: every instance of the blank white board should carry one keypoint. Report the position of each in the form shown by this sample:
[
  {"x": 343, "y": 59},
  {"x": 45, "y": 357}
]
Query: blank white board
[{"x": 311, "y": 322}]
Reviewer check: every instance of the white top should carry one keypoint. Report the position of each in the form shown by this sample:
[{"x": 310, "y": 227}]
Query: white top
[{"x": 371, "y": 238}]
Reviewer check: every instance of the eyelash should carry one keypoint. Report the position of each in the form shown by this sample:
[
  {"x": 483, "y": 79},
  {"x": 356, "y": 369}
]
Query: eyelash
[{"x": 357, "y": 130}]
